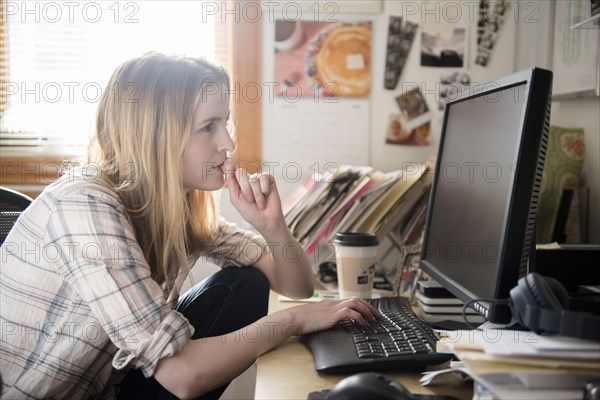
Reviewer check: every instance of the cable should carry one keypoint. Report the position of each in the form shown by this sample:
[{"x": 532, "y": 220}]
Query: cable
[{"x": 470, "y": 302}]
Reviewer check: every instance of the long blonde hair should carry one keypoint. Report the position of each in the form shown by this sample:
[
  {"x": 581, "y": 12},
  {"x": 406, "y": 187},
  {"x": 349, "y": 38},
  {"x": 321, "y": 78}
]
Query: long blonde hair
[{"x": 143, "y": 123}]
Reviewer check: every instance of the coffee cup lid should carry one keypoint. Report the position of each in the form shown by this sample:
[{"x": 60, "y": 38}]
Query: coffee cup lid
[{"x": 355, "y": 239}]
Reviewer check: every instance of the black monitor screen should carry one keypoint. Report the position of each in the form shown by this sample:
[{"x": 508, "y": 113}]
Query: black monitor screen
[{"x": 478, "y": 232}]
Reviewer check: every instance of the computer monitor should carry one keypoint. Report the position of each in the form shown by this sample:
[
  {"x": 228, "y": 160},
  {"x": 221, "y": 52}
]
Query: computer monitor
[{"x": 483, "y": 201}]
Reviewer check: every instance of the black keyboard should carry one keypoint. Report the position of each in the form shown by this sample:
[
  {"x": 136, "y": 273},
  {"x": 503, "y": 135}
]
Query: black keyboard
[{"x": 398, "y": 340}]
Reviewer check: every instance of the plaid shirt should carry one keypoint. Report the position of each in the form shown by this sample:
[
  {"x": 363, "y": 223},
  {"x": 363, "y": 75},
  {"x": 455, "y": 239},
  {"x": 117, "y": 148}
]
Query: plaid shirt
[{"x": 78, "y": 307}]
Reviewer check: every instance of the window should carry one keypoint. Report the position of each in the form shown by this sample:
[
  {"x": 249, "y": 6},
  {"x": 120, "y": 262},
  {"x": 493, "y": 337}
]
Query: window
[
  {"x": 56, "y": 57},
  {"x": 61, "y": 55}
]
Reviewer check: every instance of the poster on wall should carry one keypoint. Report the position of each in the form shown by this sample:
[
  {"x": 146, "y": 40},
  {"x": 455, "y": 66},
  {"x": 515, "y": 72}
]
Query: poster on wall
[
  {"x": 443, "y": 45},
  {"x": 322, "y": 58}
]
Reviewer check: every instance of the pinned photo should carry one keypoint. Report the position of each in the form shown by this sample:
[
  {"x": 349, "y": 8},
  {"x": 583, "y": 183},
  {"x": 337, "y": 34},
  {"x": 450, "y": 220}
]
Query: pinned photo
[
  {"x": 400, "y": 39},
  {"x": 451, "y": 86},
  {"x": 414, "y": 110},
  {"x": 443, "y": 50},
  {"x": 489, "y": 26},
  {"x": 398, "y": 134}
]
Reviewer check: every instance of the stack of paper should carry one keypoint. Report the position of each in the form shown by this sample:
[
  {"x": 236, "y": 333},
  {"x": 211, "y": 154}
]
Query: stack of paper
[
  {"x": 510, "y": 364},
  {"x": 355, "y": 199}
]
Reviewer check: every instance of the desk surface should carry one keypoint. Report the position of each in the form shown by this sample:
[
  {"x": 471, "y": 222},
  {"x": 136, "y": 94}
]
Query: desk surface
[{"x": 287, "y": 372}]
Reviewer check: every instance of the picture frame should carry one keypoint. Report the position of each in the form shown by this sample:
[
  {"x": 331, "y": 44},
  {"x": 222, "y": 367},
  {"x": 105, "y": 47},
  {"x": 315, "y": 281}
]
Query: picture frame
[{"x": 408, "y": 272}]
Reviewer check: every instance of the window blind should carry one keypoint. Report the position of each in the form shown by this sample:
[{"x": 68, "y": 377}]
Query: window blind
[
  {"x": 222, "y": 30},
  {"x": 60, "y": 56},
  {"x": 65, "y": 64}
]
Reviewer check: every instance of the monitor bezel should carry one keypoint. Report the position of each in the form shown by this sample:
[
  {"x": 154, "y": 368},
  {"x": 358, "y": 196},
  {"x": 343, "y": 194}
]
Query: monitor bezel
[{"x": 519, "y": 224}]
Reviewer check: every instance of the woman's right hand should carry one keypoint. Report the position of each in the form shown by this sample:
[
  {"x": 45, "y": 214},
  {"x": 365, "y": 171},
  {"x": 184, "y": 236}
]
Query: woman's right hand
[
  {"x": 187, "y": 373},
  {"x": 325, "y": 314}
]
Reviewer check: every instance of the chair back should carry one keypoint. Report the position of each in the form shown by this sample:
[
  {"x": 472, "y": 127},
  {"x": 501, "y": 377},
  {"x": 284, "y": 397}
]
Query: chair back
[
  {"x": 11, "y": 200},
  {"x": 12, "y": 203},
  {"x": 7, "y": 220}
]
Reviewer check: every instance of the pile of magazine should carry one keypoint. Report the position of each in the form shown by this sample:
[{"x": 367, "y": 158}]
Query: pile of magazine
[{"x": 359, "y": 199}]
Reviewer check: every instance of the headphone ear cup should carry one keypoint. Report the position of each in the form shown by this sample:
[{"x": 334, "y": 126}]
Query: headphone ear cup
[
  {"x": 559, "y": 291},
  {"x": 547, "y": 292},
  {"x": 520, "y": 296}
]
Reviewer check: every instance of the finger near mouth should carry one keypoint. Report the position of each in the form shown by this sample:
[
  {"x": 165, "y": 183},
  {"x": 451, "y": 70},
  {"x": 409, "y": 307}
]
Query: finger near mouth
[{"x": 219, "y": 168}]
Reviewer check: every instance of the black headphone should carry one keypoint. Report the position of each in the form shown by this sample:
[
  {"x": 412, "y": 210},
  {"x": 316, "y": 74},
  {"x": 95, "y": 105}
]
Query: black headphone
[{"x": 541, "y": 304}]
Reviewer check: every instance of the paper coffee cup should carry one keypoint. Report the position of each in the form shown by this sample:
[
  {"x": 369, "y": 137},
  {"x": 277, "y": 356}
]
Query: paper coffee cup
[{"x": 355, "y": 255}]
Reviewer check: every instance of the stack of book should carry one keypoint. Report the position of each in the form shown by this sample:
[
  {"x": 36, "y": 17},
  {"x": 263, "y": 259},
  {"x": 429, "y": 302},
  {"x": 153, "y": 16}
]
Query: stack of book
[{"x": 356, "y": 199}]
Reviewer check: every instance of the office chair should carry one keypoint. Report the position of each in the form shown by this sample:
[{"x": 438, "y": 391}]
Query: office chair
[
  {"x": 11, "y": 200},
  {"x": 12, "y": 203},
  {"x": 7, "y": 220}
]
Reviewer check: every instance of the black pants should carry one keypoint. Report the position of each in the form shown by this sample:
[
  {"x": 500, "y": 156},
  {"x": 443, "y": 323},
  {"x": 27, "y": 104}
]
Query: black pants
[{"x": 226, "y": 301}]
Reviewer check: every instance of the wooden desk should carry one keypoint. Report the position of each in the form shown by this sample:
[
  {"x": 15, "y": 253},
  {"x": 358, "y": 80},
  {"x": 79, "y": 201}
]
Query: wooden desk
[{"x": 288, "y": 372}]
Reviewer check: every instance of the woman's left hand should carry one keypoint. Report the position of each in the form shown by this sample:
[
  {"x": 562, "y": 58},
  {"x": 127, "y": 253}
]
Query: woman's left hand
[{"x": 254, "y": 196}]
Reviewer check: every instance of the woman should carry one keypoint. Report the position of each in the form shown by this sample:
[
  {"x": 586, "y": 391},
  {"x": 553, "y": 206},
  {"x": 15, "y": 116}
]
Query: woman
[{"x": 91, "y": 272}]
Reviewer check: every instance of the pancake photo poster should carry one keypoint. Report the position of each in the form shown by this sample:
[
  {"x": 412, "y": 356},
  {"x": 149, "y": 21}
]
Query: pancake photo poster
[{"x": 322, "y": 58}]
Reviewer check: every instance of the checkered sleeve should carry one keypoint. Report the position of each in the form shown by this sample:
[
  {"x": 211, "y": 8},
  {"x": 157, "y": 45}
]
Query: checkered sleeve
[{"x": 234, "y": 246}]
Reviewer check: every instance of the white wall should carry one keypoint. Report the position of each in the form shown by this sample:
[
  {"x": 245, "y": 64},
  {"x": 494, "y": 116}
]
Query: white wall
[
  {"x": 524, "y": 42},
  {"x": 533, "y": 47},
  {"x": 390, "y": 157}
]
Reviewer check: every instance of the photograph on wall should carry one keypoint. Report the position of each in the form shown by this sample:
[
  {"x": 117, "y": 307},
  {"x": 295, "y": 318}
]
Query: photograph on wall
[
  {"x": 451, "y": 87},
  {"x": 400, "y": 39},
  {"x": 489, "y": 26},
  {"x": 483, "y": 56},
  {"x": 322, "y": 58},
  {"x": 412, "y": 126},
  {"x": 443, "y": 45},
  {"x": 397, "y": 134},
  {"x": 414, "y": 110}
]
